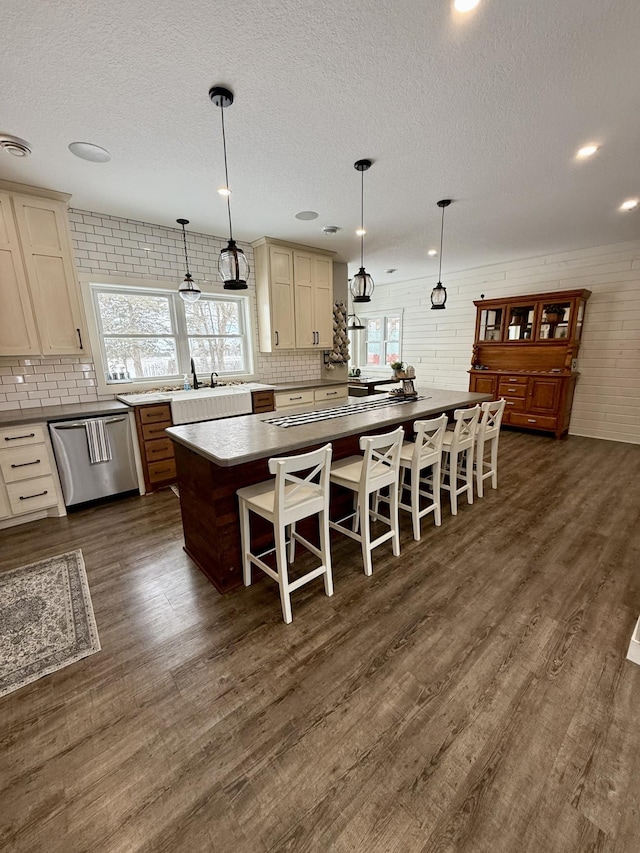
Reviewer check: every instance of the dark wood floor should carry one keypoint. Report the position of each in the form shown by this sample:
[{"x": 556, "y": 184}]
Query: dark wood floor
[{"x": 472, "y": 696}]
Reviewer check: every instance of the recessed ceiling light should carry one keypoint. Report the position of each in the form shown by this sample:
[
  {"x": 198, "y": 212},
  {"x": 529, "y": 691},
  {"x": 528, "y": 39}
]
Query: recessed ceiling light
[
  {"x": 629, "y": 204},
  {"x": 306, "y": 215},
  {"x": 224, "y": 191},
  {"x": 587, "y": 151},
  {"x": 360, "y": 232},
  {"x": 14, "y": 145},
  {"x": 432, "y": 253},
  {"x": 89, "y": 151},
  {"x": 465, "y": 5}
]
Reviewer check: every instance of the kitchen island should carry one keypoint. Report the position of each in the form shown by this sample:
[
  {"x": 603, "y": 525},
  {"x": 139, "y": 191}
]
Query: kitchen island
[{"x": 216, "y": 458}]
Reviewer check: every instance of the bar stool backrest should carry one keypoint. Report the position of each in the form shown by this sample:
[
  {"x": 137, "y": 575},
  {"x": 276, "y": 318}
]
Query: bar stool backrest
[
  {"x": 290, "y": 489},
  {"x": 491, "y": 419},
  {"x": 464, "y": 433},
  {"x": 428, "y": 441},
  {"x": 381, "y": 458}
]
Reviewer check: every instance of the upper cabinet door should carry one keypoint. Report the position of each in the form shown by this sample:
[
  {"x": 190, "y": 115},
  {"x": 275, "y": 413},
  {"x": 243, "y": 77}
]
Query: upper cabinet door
[
  {"x": 282, "y": 317},
  {"x": 42, "y": 228},
  {"x": 323, "y": 301},
  {"x": 554, "y": 323},
  {"x": 304, "y": 296},
  {"x": 18, "y": 335}
]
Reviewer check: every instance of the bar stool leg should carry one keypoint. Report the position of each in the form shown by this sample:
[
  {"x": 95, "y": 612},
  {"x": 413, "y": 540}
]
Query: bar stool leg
[
  {"x": 283, "y": 574},
  {"x": 394, "y": 518},
  {"x": 437, "y": 492},
  {"x": 494, "y": 462},
  {"x": 325, "y": 551},
  {"x": 415, "y": 505},
  {"x": 365, "y": 532},
  {"x": 245, "y": 538},
  {"x": 469, "y": 474},
  {"x": 292, "y": 542},
  {"x": 453, "y": 482}
]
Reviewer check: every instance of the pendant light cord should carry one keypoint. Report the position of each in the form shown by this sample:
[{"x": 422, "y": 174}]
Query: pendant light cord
[
  {"x": 186, "y": 256},
  {"x": 226, "y": 171},
  {"x": 441, "y": 239},
  {"x": 362, "y": 218}
]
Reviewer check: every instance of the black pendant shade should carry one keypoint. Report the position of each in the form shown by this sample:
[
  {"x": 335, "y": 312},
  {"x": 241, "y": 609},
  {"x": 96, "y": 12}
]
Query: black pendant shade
[
  {"x": 362, "y": 284},
  {"x": 232, "y": 266},
  {"x": 439, "y": 293},
  {"x": 188, "y": 290}
]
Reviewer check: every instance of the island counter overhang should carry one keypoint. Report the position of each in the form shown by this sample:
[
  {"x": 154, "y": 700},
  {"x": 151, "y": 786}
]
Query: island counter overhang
[{"x": 216, "y": 458}]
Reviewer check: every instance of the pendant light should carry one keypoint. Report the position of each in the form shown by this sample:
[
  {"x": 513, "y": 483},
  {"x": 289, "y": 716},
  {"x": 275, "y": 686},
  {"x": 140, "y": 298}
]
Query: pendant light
[
  {"x": 354, "y": 323},
  {"x": 362, "y": 284},
  {"x": 439, "y": 293},
  {"x": 232, "y": 266},
  {"x": 188, "y": 290}
]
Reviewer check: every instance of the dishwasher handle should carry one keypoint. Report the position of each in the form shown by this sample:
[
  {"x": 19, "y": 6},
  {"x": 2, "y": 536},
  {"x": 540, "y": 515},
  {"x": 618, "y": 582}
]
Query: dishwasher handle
[{"x": 77, "y": 424}]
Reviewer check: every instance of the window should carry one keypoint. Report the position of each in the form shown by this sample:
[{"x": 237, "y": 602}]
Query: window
[
  {"x": 381, "y": 342},
  {"x": 150, "y": 334}
]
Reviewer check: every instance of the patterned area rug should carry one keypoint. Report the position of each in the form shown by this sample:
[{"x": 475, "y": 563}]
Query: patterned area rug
[{"x": 46, "y": 619}]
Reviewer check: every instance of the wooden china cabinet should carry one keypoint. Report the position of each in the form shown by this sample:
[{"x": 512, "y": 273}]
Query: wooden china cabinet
[{"x": 526, "y": 350}]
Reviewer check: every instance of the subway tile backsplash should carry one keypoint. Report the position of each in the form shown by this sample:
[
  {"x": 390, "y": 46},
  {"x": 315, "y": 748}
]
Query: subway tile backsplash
[{"x": 110, "y": 245}]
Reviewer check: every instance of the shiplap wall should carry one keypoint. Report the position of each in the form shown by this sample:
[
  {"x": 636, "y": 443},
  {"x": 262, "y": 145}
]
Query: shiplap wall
[{"x": 607, "y": 399}]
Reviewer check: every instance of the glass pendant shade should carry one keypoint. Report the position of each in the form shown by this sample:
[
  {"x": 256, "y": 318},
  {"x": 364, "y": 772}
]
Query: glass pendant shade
[
  {"x": 438, "y": 296},
  {"x": 233, "y": 267},
  {"x": 362, "y": 286},
  {"x": 355, "y": 323},
  {"x": 188, "y": 290}
]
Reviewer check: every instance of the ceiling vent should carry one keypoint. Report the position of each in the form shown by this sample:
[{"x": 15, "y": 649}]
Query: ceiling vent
[{"x": 14, "y": 145}]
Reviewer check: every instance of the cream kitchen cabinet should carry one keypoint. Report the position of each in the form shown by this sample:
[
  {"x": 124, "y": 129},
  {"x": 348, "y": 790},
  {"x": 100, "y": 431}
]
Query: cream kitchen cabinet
[
  {"x": 43, "y": 314},
  {"x": 294, "y": 291},
  {"x": 313, "y": 297},
  {"x": 29, "y": 484},
  {"x": 311, "y": 396}
]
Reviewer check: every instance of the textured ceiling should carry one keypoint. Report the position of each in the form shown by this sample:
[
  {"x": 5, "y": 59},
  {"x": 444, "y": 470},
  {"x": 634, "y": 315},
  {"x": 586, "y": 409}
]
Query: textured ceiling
[{"x": 487, "y": 108}]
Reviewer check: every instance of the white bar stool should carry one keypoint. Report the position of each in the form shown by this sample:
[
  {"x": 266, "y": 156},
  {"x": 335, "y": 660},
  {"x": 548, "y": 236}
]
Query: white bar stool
[
  {"x": 364, "y": 476},
  {"x": 283, "y": 502},
  {"x": 416, "y": 457},
  {"x": 457, "y": 449},
  {"x": 488, "y": 432}
]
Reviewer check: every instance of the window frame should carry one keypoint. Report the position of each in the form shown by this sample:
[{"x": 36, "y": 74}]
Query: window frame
[
  {"x": 90, "y": 285},
  {"x": 359, "y": 340}
]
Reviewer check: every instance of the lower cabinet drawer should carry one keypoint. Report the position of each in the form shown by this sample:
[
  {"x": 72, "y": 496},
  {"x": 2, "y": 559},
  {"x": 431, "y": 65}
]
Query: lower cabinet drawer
[
  {"x": 161, "y": 448},
  {"x": 161, "y": 471},
  {"x": 20, "y": 435},
  {"x": 155, "y": 430},
  {"x": 262, "y": 401},
  {"x": 509, "y": 389},
  {"x": 514, "y": 405},
  {"x": 532, "y": 421},
  {"x": 293, "y": 398},
  {"x": 514, "y": 380},
  {"x": 24, "y": 463},
  {"x": 322, "y": 394},
  {"x": 155, "y": 414},
  {"x": 32, "y": 495}
]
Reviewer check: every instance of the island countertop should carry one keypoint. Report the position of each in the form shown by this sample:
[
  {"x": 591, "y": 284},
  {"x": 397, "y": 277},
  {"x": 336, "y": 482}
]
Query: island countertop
[{"x": 236, "y": 441}]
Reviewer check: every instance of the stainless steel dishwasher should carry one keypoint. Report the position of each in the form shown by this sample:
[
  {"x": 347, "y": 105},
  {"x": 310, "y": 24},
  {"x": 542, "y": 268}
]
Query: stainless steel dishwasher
[{"x": 95, "y": 457}]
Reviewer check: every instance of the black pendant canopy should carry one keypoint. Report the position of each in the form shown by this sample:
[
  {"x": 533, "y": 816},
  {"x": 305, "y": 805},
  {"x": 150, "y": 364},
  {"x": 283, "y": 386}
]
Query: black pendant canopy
[
  {"x": 188, "y": 290},
  {"x": 362, "y": 284},
  {"x": 439, "y": 293},
  {"x": 232, "y": 266}
]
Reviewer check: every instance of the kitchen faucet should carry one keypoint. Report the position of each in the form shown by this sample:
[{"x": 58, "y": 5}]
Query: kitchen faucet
[
  {"x": 196, "y": 384},
  {"x": 214, "y": 382}
]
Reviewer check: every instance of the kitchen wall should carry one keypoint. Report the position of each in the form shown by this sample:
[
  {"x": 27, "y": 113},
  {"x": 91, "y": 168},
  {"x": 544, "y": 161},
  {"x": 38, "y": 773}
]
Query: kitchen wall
[
  {"x": 109, "y": 245},
  {"x": 607, "y": 399}
]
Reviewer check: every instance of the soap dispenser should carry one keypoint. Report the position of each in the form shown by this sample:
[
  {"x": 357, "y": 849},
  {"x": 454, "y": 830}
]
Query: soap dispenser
[{"x": 185, "y": 385}]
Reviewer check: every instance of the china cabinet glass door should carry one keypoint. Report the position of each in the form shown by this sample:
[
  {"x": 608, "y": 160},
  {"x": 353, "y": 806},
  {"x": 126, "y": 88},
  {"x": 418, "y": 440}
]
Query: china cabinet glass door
[
  {"x": 555, "y": 321},
  {"x": 490, "y": 324},
  {"x": 520, "y": 326}
]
